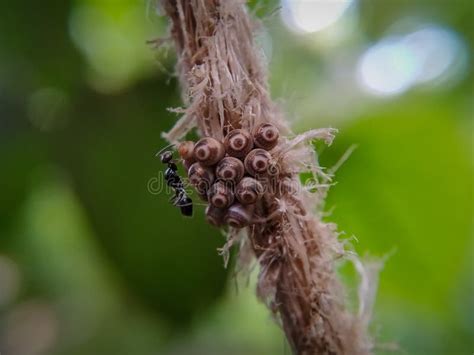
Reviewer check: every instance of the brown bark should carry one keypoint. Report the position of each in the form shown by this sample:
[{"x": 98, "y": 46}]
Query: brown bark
[{"x": 225, "y": 87}]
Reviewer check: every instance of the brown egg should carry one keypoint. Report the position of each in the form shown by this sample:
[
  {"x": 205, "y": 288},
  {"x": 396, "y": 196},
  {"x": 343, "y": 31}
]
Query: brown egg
[
  {"x": 230, "y": 169},
  {"x": 257, "y": 162},
  {"x": 248, "y": 191},
  {"x": 186, "y": 150},
  {"x": 208, "y": 151},
  {"x": 239, "y": 216},
  {"x": 238, "y": 143},
  {"x": 187, "y": 163},
  {"x": 220, "y": 195},
  {"x": 201, "y": 177},
  {"x": 266, "y": 136},
  {"x": 215, "y": 216}
]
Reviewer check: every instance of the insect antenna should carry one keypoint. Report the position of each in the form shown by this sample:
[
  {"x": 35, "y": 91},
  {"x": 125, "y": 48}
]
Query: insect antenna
[
  {"x": 200, "y": 204},
  {"x": 163, "y": 149}
]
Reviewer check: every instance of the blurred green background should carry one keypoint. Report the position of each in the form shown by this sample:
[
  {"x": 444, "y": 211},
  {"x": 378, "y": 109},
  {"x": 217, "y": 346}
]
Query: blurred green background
[{"x": 91, "y": 262}]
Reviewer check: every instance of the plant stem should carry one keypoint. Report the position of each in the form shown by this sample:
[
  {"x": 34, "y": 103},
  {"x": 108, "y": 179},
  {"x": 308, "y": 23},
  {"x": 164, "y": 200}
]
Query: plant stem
[{"x": 224, "y": 86}]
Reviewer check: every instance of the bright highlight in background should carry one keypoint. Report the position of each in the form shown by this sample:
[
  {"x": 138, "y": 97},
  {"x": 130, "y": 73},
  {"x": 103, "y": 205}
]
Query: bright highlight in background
[
  {"x": 438, "y": 50},
  {"x": 431, "y": 55},
  {"x": 312, "y": 15},
  {"x": 388, "y": 68}
]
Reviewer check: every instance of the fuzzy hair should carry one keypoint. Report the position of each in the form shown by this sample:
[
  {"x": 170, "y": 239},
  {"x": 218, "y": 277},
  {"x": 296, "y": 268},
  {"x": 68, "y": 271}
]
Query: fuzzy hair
[{"x": 224, "y": 86}]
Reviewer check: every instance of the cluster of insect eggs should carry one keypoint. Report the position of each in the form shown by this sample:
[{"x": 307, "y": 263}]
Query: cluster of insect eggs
[{"x": 225, "y": 173}]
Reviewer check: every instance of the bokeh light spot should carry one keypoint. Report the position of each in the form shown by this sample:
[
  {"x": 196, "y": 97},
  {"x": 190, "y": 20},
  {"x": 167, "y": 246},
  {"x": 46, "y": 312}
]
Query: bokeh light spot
[
  {"x": 439, "y": 50},
  {"x": 307, "y": 16},
  {"x": 387, "y": 68},
  {"x": 431, "y": 54}
]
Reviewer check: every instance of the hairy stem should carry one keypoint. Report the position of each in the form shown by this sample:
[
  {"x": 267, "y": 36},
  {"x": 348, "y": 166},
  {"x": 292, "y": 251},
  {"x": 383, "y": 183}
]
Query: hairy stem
[{"x": 224, "y": 86}]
